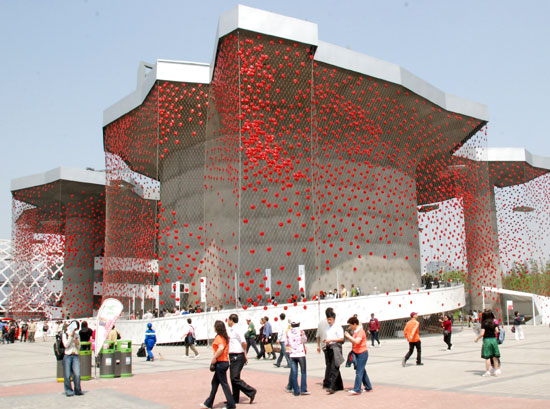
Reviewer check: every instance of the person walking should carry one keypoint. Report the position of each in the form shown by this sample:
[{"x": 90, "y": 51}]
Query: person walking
[
  {"x": 334, "y": 340},
  {"x": 268, "y": 338},
  {"x": 295, "y": 339},
  {"x": 220, "y": 365},
  {"x": 113, "y": 336},
  {"x": 85, "y": 332},
  {"x": 71, "y": 360},
  {"x": 321, "y": 346},
  {"x": 190, "y": 339},
  {"x": 374, "y": 328},
  {"x": 33, "y": 326},
  {"x": 489, "y": 350},
  {"x": 250, "y": 336},
  {"x": 283, "y": 326},
  {"x": 447, "y": 325},
  {"x": 343, "y": 291},
  {"x": 45, "y": 329},
  {"x": 412, "y": 333},
  {"x": 5, "y": 333},
  {"x": 518, "y": 330},
  {"x": 150, "y": 341},
  {"x": 359, "y": 342},
  {"x": 261, "y": 339},
  {"x": 12, "y": 332},
  {"x": 24, "y": 331},
  {"x": 237, "y": 359}
]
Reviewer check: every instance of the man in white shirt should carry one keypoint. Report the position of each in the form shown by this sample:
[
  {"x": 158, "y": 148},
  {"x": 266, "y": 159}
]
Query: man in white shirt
[
  {"x": 321, "y": 346},
  {"x": 237, "y": 359},
  {"x": 333, "y": 341},
  {"x": 71, "y": 360},
  {"x": 283, "y": 326}
]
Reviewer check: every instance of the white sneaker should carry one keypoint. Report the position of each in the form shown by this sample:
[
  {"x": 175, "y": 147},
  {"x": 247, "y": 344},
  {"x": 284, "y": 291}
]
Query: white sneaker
[
  {"x": 196, "y": 356},
  {"x": 487, "y": 373},
  {"x": 497, "y": 372}
]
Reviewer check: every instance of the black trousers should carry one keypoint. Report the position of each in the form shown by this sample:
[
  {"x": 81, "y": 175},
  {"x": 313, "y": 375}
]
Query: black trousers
[
  {"x": 418, "y": 347},
  {"x": 236, "y": 363},
  {"x": 334, "y": 379},
  {"x": 327, "y": 369},
  {"x": 251, "y": 342},
  {"x": 220, "y": 378},
  {"x": 447, "y": 340},
  {"x": 374, "y": 337}
]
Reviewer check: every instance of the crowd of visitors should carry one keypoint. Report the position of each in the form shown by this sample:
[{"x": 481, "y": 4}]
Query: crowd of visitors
[{"x": 282, "y": 335}]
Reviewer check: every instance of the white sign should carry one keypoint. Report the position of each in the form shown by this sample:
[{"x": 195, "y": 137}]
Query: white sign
[
  {"x": 203, "y": 290},
  {"x": 268, "y": 281},
  {"x": 510, "y": 304},
  {"x": 106, "y": 317},
  {"x": 302, "y": 278},
  {"x": 177, "y": 290}
]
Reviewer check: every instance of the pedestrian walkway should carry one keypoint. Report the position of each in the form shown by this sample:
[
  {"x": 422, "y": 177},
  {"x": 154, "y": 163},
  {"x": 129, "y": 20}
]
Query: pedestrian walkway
[{"x": 448, "y": 379}]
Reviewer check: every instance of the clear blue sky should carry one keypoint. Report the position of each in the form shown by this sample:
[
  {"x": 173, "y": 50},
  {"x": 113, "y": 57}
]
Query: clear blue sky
[{"x": 64, "y": 62}]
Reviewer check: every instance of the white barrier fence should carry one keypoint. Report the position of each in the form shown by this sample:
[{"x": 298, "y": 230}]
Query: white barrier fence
[{"x": 387, "y": 306}]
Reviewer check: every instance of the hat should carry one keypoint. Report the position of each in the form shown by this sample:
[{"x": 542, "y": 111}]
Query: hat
[
  {"x": 248, "y": 319},
  {"x": 149, "y": 325},
  {"x": 413, "y": 314}
]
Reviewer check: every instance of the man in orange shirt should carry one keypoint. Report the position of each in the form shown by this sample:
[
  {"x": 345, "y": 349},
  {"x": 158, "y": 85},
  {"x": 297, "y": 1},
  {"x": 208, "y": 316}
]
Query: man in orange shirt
[{"x": 412, "y": 333}]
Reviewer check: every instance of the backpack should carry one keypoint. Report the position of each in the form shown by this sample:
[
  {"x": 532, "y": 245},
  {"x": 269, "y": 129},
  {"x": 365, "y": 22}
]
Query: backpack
[
  {"x": 58, "y": 347},
  {"x": 501, "y": 335}
]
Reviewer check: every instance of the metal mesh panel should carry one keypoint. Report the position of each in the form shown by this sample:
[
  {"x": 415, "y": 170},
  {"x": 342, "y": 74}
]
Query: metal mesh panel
[
  {"x": 131, "y": 145},
  {"x": 181, "y": 236},
  {"x": 222, "y": 177},
  {"x": 58, "y": 230},
  {"x": 286, "y": 178}
]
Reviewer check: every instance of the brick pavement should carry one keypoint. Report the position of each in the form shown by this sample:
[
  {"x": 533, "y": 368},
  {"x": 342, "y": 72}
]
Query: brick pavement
[{"x": 448, "y": 379}]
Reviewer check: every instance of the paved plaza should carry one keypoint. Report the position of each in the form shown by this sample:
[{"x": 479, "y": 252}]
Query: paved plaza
[{"x": 448, "y": 379}]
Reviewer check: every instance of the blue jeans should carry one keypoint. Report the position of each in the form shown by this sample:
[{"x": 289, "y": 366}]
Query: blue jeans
[
  {"x": 361, "y": 376},
  {"x": 283, "y": 353},
  {"x": 71, "y": 365},
  {"x": 150, "y": 355},
  {"x": 293, "y": 378},
  {"x": 374, "y": 337}
]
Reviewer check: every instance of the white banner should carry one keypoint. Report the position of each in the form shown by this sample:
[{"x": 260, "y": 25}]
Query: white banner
[
  {"x": 268, "y": 281},
  {"x": 302, "y": 278},
  {"x": 203, "y": 290},
  {"x": 106, "y": 317},
  {"x": 177, "y": 292}
]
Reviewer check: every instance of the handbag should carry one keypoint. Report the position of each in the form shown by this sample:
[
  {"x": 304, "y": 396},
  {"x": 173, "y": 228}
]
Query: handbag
[
  {"x": 141, "y": 351},
  {"x": 445, "y": 332},
  {"x": 513, "y": 329},
  {"x": 268, "y": 348}
]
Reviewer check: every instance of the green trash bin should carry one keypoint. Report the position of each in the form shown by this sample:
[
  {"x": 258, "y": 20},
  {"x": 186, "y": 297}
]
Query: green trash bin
[
  {"x": 125, "y": 350},
  {"x": 85, "y": 356},
  {"x": 59, "y": 372},
  {"x": 106, "y": 360}
]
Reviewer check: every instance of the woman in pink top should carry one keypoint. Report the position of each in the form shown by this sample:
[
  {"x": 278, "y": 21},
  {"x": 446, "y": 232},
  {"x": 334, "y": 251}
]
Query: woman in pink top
[
  {"x": 295, "y": 340},
  {"x": 359, "y": 341}
]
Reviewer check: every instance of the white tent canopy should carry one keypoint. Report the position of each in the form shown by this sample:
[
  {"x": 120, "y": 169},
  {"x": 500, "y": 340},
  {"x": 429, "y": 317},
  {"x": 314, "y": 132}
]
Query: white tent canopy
[{"x": 538, "y": 302}]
